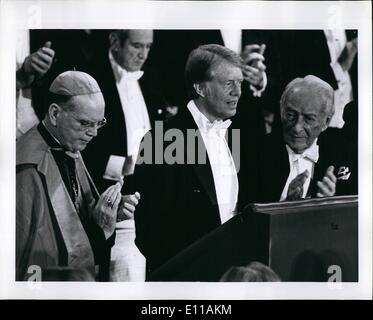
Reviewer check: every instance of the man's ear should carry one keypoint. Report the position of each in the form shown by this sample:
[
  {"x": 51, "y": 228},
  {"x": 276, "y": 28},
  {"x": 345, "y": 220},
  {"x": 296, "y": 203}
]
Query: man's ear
[
  {"x": 326, "y": 125},
  {"x": 53, "y": 112},
  {"x": 114, "y": 42},
  {"x": 200, "y": 88}
]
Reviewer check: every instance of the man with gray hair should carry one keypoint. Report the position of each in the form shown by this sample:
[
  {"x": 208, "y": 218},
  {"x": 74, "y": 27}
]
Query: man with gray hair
[
  {"x": 63, "y": 226},
  {"x": 299, "y": 164}
]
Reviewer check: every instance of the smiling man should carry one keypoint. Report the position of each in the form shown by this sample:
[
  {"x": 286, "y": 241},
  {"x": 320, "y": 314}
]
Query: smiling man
[
  {"x": 182, "y": 202},
  {"x": 302, "y": 164},
  {"x": 64, "y": 227}
]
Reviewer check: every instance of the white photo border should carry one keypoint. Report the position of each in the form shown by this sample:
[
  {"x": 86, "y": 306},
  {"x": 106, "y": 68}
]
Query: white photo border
[{"x": 182, "y": 15}]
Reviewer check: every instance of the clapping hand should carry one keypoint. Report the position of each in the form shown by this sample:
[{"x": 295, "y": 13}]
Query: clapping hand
[
  {"x": 35, "y": 66},
  {"x": 39, "y": 62},
  {"x": 254, "y": 67},
  {"x": 295, "y": 190},
  {"x": 326, "y": 187},
  {"x": 127, "y": 206},
  {"x": 105, "y": 212}
]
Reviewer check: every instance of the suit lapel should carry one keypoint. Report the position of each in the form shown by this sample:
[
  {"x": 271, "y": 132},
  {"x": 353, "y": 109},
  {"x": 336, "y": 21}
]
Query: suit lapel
[
  {"x": 284, "y": 172},
  {"x": 202, "y": 171},
  {"x": 277, "y": 168},
  {"x": 149, "y": 97},
  {"x": 113, "y": 110}
]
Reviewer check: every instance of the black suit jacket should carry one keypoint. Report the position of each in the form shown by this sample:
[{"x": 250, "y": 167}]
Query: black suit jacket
[
  {"x": 306, "y": 52},
  {"x": 112, "y": 138},
  {"x": 274, "y": 167},
  {"x": 178, "y": 201}
]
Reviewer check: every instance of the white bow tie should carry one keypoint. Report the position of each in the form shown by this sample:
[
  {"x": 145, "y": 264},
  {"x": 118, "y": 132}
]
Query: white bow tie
[
  {"x": 311, "y": 154},
  {"x": 125, "y": 75},
  {"x": 218, "y": 125}
]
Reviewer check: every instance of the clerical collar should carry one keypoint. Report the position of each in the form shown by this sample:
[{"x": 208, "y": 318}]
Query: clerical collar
[
  {"x": 53, "y": 142},
  {"x": 120, "y": 72},
  {"x": 49, "y": 138}
]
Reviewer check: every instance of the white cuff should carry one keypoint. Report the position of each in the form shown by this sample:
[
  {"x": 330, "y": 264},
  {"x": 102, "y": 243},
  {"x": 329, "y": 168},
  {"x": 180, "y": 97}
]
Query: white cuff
[{"x": 339, "y": 73}]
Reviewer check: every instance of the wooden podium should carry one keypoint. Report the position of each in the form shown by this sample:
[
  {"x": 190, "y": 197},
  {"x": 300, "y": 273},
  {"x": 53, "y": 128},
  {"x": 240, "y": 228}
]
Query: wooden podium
[{"x": 307, "y": 240}]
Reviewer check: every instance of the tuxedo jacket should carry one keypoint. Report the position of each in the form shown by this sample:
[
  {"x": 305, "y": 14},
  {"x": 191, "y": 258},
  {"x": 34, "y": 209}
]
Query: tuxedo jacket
[
  {"x": 274, "y": 168},
  {"x": 178, "y": 201},
  {"x": 112, "y": 138},
  {"x": 306, "y": 52}
]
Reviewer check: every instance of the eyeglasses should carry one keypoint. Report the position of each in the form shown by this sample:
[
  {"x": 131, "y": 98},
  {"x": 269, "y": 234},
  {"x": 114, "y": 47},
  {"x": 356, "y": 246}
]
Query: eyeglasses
[{"x": 87, "y": 125}]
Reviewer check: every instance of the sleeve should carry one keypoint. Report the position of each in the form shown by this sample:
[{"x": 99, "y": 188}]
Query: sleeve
[{"x": 28, "y": 203}]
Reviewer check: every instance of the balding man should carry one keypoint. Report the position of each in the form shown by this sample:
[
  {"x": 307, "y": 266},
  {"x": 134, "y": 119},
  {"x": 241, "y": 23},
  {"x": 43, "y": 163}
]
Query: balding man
[
  {"x": 299, "y": 164},
  {"x": 62, "y": 223}
]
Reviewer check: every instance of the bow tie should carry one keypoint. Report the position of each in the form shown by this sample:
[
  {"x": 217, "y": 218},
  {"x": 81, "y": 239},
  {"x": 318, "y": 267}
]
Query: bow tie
[
  {"x": 218, "y": 125},
  {"x": 311, "y": 154},
  {"x": 125, "y": 75}
]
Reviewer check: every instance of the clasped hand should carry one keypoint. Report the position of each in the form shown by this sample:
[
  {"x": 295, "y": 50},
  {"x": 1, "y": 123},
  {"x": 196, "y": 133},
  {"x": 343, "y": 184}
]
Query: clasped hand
[
  {"x": 35, "y": 65},
  {"x": 112, "y": 207},
  {"x": 325, "y": 188},
  {"x": 254, "y": 67}
]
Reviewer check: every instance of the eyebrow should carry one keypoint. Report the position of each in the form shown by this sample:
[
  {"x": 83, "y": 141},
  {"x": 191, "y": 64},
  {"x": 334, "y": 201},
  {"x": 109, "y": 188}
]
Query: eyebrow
[{"x": 290, "y": 108}]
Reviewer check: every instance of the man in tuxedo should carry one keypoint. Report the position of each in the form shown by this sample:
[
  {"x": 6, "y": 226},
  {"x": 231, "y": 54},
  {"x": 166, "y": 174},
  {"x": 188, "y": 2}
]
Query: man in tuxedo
[
  {"x": 133, "y": 101},
  {"x": 183, "y": 199},
  {"x": 63, "y": 226},
  {"x": 301, "y": 164}
]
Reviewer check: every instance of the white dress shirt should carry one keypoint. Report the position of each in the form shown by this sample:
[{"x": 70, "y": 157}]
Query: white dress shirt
[
  {"x": 222, "y": 164},
  {"x": 133, "y": 105},
  {"x": 336, "y": 40},
  {"x": 300, "y": 163}
]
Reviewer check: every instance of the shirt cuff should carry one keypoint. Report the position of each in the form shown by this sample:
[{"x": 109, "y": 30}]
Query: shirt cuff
[{"x": 258, "y": 92}]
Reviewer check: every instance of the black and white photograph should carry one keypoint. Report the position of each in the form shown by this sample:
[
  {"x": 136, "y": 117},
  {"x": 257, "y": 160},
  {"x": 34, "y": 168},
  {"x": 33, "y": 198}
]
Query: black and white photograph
[{"x": 186, "y": 150}]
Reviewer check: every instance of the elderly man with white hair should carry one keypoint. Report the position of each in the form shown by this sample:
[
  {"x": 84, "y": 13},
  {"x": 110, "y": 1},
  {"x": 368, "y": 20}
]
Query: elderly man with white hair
[{"x": 299, "y": 165}]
